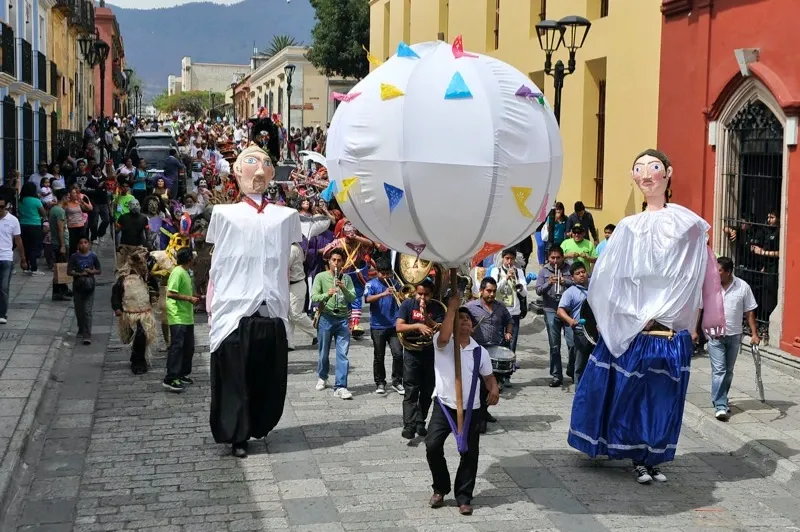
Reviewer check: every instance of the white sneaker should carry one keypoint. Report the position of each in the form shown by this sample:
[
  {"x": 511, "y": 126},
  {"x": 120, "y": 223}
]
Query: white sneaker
[
  {"x": 642, "y": 475},
  {"x": 343, "y": 393},
  {"x": 656, "y": 473},
  {"x": 37, "y": 273},
  {"x": 321, "y": 384},
  {"x": 721, "y": 415},
  {"x": 3, "y": 321}
]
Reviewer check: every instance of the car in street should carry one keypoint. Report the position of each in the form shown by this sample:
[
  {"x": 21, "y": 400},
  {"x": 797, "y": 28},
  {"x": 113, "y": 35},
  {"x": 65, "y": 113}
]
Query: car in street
[{"x": 154, "y": 147}]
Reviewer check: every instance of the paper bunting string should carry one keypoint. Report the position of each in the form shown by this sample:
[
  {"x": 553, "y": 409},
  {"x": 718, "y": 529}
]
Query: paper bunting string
[
  {"x": 487, "y": 249},
  {"x": 544, "y": 211},
  {"x": 345, "y": 97},
  {"x": 371, "y": 58},
  {"x": 458, "y": 49},
  {"x": 521, "y": 195},
  {"x": 329, "y": 191},
  {"x": 526, "y": 92},
  {"x": 347, "y": 183},
  {"x": 394, "y": 194},
  {"x": 390, "y": 91},
  {"x": 404, "y": 50},
  {"x": 457, "y": 90}
]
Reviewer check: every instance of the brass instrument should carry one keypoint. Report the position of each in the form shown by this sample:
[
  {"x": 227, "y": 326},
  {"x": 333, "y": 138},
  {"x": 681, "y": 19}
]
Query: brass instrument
[
  {"x": 559, "y": 281},
  {"x": 318, "y": 313},
  {"x": 413, "y": 270},
  {"x": 417, "y": 342}
]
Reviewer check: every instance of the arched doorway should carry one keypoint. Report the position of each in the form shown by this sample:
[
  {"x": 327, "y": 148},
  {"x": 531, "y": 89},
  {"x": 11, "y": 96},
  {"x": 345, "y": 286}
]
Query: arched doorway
[{"x": 750, "y": 201}]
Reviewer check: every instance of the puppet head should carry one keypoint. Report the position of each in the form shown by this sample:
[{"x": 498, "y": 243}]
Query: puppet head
[
  {"x": 652, "y": 173},
  {"x": 253, "y": 169},
  {"x": 153, "y": 204}
]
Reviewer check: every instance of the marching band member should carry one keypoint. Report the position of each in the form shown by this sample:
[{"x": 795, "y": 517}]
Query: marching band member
[
  {"x": 417, "y": 319},
  {"x": 475, "y": 363},
  {"x": 381, "y": 294},
  {"x": 569, "y": 312},
  {"x": 553, "y": 279},
  {"x": 511, "y": 289},
  {"x": 645, "y": 293}
]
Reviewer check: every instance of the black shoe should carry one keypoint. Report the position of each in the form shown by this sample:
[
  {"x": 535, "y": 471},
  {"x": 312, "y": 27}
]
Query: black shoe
[
  {"x": 489, "y": 418},
  {"x": 239, "y": 450},
  {"x": 422, "y": 431},
  {"x": 315, "y": 341},
  {"x": 87, "y": 340},
  {"x": 174, "y": 385},
  {"x": 58, "y": 297},
  {"x": 407, "y": 434},
  {"x": 138, "y": 370},
  {"x": 186, "y": 380},
  {"x": 68, "y": 294},
  {"x": 555, "y": 383}
]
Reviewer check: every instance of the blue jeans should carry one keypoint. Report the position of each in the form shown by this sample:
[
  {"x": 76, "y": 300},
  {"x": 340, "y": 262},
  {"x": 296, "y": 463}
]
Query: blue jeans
[
  {"x": 554, "y": 327},
  {"x": 330, "y": 327},
  {"x": 722, "y": 352},
  {"x": 6, "y": 267}
]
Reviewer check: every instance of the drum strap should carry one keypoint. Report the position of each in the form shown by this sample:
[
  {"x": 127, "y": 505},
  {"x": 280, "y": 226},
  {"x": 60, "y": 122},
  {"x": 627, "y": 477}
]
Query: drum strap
[{"x": 462, "y": 439}]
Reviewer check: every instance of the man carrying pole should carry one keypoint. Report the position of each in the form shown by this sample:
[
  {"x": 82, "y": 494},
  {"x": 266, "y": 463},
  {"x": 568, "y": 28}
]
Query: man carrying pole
[{"x": 450, "y": 391}]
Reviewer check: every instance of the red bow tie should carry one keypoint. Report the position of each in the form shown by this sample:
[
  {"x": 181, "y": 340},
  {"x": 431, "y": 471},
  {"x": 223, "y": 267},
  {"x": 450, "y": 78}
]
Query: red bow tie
[{"x": 259, "y": 209}]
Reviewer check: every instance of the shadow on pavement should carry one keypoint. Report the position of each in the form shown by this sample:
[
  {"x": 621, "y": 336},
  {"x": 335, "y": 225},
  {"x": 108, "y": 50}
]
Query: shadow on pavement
[{"x": 753, "y": 405}]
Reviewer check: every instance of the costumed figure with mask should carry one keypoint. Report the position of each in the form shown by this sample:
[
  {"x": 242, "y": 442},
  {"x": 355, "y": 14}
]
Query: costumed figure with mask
[
  {"x": 248, "y": 303},
  {"x": 132, "y": 298},
  {"x": 130, "y": 221},
  {"x": 645, "y": 294},
  {"x": 274, "y": 194},
  {"x": 161, "y": 265},
  {"x": 356, "y": 265}
]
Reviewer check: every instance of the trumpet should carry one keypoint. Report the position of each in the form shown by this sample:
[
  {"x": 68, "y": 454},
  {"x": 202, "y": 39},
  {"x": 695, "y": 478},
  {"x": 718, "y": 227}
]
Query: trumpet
[{"x": 558, "y": 282}]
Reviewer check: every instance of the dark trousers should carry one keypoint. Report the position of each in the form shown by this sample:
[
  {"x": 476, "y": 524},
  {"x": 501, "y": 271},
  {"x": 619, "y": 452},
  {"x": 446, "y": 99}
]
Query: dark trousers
[
  {"x": 248, "y": 380},
  {"x": 381, "y": 337},
  {"x": 139, "y": 348},
  {"x": 84, "y": 301},
  {"x": 91, "y": 230},
  {"x": 102, "y": 214},
  {"x": 75, "y": 234},
  {"x": 32, "y": 236},
  {"x": 63, "y": 288},
  {"x": 438, "y": 431},
  {"x": 418, "y": 381},
  {"x": 181, "y": 351},
  {"x": 582, "y": 349}
]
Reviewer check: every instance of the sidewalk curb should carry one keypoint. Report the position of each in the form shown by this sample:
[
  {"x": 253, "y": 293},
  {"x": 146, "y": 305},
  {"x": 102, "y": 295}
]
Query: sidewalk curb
[
  {"x": 27, "y": 429},
  {"x": 754, "y": 453}
]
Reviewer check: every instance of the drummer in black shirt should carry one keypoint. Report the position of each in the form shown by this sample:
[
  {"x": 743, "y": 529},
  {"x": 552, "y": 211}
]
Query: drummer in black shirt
[{"x": 416, "y": 320}]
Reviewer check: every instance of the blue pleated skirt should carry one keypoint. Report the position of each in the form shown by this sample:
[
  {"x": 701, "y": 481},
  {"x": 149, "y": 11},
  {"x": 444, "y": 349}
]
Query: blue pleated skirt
[{"x": 631, "y": 407}]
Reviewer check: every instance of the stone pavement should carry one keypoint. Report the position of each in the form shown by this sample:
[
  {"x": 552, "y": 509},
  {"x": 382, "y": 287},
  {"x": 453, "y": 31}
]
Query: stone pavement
[{"x": 123, "y": 454}]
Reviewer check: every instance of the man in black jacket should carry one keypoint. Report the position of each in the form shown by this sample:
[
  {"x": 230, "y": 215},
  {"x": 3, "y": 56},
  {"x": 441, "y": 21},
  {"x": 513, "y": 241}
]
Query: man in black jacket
[{"x": 584, "y": 218}]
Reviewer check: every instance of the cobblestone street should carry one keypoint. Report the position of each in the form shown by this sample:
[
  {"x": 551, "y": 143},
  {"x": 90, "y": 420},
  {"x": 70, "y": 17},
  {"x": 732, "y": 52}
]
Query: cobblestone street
[{"x": 120, "y": 453}]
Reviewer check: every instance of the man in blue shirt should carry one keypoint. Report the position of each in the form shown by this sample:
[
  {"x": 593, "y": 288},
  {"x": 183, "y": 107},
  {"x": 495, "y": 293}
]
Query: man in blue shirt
[
  {"x": 172, "y": 168},
  {"x": 381, "y": 294},
  {"x": 569, "y": 311},
  {"x": 609, "y": 230}
]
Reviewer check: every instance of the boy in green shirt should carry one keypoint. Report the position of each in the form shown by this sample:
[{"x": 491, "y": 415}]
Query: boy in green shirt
[
  {"x": 578, "y": 249},
  {"x": 180, "y": 316}
]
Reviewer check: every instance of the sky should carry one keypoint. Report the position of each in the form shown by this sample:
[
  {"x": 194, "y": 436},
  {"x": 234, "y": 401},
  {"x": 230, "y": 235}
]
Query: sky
[{"x": 151, "y": 4}]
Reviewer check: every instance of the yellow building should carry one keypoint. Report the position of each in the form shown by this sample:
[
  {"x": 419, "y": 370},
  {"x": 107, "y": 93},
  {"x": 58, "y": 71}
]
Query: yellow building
[{"x": 609, "y": 106}]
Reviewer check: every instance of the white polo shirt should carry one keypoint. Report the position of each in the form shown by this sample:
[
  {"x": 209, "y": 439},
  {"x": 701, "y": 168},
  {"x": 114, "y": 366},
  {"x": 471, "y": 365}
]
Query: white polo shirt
[
  {"x": 737, "y": 299},
  {"x": 9, "y": 228},
  {"x": 445, "y": 371}
]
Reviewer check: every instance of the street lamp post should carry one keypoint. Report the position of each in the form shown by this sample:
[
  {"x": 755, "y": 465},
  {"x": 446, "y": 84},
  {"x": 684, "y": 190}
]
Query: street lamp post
[
  {"x": 572, "y": 32},
  {"x": 95, "y": 52},
  {"x": 289, "y": 71},
  {"x": 136, "y": 93},
  {"x": 233, "y": 100},
  {"x": 126, "y": 86}
]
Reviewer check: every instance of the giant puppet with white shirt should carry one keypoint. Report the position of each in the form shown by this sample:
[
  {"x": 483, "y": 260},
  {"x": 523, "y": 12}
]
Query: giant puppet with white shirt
[{"x": 249, "y": 306}]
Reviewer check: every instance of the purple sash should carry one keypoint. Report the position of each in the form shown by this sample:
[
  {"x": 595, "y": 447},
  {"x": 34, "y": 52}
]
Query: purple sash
[{"x": 462, "y": 438}]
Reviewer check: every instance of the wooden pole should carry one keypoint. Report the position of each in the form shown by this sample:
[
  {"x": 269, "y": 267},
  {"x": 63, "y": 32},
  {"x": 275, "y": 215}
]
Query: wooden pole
[{"x": 457, "y": 356}]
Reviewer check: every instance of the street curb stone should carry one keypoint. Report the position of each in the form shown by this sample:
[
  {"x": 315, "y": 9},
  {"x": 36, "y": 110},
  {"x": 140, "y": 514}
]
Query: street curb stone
[{"x": 26, "y": 427}]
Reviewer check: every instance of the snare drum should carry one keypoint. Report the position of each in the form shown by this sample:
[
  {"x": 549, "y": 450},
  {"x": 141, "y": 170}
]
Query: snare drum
[{"x": 503, "y": 359}]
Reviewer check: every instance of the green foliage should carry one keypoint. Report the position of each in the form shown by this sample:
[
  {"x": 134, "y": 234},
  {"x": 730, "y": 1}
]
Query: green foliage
[
  {"x": 341, "y": 30},
  {"x": 278, "y": 43},
  {"x": 196, "y": 103}
]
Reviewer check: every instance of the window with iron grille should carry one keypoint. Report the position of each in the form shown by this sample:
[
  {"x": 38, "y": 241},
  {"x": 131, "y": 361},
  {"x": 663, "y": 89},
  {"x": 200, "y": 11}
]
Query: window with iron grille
[{"x": 601, "y": 144}]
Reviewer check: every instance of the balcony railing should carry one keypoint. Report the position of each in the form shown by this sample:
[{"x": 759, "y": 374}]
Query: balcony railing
[
  {"x": 27, "y": 62},
  {"x": 53, "y": 79},
  {"x": 41, "y": 72},
  {"x": 7, "y": 43},
  {"x": 76, "y": 15},
  {"x": 89, "y": 20}
]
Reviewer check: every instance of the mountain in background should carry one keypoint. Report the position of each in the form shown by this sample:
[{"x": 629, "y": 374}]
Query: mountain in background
[{"x": 157, "y": 39}]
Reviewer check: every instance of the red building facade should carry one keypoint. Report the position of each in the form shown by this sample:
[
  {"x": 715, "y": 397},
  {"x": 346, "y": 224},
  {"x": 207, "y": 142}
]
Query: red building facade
[
  {"x": 115, "y": 100},
  {"x": 729, "y": 101}
]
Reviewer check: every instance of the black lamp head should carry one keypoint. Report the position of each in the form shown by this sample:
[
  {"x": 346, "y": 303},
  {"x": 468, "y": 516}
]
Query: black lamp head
[
  {"x": 574, "y": 32},
  {"x": 551, "y": 34}
]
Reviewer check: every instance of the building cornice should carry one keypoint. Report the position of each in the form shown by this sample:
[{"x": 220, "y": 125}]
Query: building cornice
[
  {"x": 47, "y": 4},
  {"x": 290, "y": 54},
  {"x": 674, "y": 8}
]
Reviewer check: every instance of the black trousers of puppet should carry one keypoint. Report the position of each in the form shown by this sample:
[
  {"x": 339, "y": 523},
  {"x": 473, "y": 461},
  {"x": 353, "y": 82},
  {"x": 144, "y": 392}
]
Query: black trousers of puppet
[{"x": 248, "y": 380}]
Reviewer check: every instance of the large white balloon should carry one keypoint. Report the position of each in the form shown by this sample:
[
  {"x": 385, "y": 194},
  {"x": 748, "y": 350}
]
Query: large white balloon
[{"x": 443, "y": 153}]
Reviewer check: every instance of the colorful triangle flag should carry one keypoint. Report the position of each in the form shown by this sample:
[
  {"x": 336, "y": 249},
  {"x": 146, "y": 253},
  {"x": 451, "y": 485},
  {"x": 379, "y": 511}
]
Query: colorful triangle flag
[
  {"x": 404, "y": 50},
  {"x": 390, "y": 91},
  {"x": 394, "y": 194},
  {"x": 457, "y": 89},
  {"x": 487, "y": 249},
  {"x": 458, "y": 49},
  {"x": 371, "y": 58},
  {"x": 329, "y": 191},
  {"x": 544, "y": 210},
  {"x": 345, "y": 97},
  {"x": 416, "y": 248},
  {"x": 521, "y": 195},
  {"x": 349, "y": 182}
]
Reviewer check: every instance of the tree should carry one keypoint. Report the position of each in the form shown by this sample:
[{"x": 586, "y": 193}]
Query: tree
[
  {"x": 341, "y": 30},
  {"x": 196, "y": 103},
  {"x": 278, "y": 43}
]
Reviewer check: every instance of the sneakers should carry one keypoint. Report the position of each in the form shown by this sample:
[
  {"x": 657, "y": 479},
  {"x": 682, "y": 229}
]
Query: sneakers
[
  {"x": 399, "y": 388},
  {"x": 642, "y": 475},
  {"x": 37, "y": 273},
  {"x": 656, "y": 473},
  {"x": 3, "y": 321},
  {"x": 721, "y": 415},
  {"x": 175, "y": 386},
  {"x": 87, "y": 340},
  {"x": 321, "y": 384},
  {"x": 186, "y": 380},
  {"x": 380, "y": 389},
  {"x": 342, "y": 393}
]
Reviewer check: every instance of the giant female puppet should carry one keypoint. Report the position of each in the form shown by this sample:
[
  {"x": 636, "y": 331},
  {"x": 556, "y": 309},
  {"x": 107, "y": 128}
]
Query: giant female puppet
[
  {"x": 646, "y": 291},
  {"x": 249, "y": 306}
]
